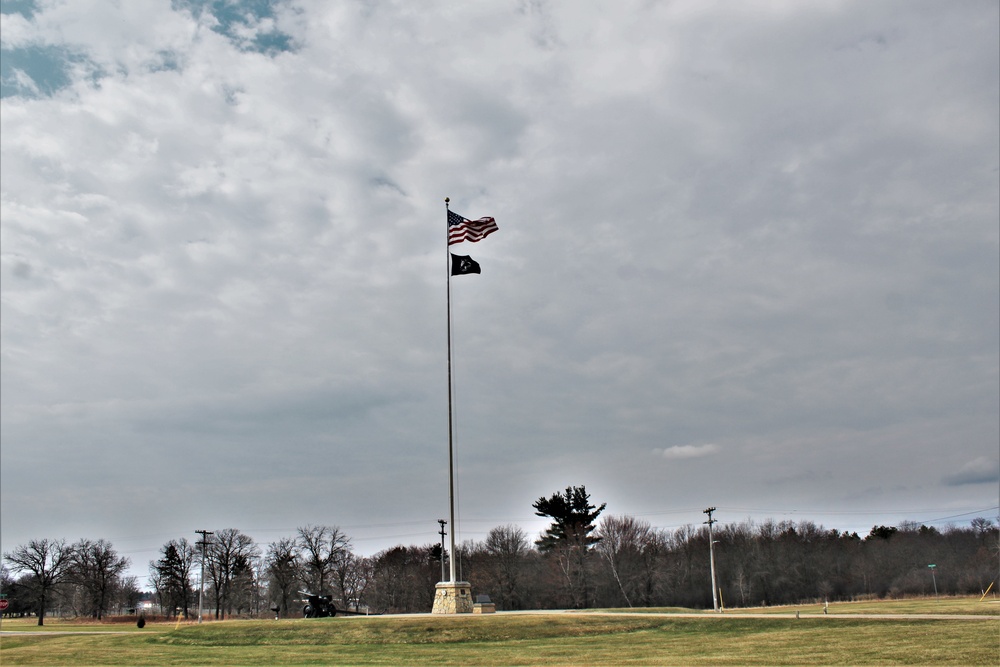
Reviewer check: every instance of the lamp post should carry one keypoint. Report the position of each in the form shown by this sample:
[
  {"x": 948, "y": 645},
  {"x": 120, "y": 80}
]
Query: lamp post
[
  {"x": 933, "y": 578},
  {"x": 711, "y": 558}
]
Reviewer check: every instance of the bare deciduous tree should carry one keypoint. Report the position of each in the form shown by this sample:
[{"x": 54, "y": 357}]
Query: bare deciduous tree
[
  {"x": 96, "y": 568},
  {"x": 229, "y": 563},
  {"x": 352, "y": 575},
  {"x": 48, "y": 561},
  {"x": 506, "y": 549},
  {"x": 623, "y": 544},
  {"x": 322, "y": 548},
  {"x": 283, "y": 569}
]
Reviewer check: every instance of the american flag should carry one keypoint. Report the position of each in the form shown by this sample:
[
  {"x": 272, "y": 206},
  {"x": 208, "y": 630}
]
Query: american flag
[{"x": 462, "y": 229}]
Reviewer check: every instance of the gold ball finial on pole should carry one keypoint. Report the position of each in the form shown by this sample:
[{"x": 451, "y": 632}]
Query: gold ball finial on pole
[{"x": 447, "y": 199}]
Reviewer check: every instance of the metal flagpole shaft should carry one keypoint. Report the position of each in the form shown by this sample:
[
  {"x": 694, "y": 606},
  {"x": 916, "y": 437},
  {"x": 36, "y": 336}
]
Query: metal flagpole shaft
[{"x": 451, "y": 449}]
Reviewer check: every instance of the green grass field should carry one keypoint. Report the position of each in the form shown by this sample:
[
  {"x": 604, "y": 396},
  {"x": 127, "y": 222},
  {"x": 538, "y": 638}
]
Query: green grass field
[
  {"x": 532, "y": 639},
  {"x": 913, "y": 606}
]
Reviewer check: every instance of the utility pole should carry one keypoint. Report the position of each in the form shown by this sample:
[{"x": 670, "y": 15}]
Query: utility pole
[
  {"x": 442, "y": 522},
  {"x": 204, "y": 543},
  {"x": 711, "y": 557}
]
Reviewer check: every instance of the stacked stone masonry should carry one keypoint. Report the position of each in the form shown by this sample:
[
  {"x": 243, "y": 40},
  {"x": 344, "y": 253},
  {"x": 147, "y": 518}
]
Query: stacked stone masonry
[{"x": 452, "y": 598}]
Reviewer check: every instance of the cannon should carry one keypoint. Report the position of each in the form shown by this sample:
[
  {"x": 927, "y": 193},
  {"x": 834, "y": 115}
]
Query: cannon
[
  {"x": 321, "y": 606},
  {"x": 318, "y": 606}
]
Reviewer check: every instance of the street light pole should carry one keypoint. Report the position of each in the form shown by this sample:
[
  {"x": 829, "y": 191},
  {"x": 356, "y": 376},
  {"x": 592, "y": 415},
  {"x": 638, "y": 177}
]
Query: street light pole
[
  {"x": 933, "y": 578},
  {"x": 711, "y": 557}
]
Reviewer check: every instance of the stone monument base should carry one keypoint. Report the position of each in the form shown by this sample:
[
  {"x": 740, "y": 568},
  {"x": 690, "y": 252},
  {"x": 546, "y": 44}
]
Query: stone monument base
[{"x": 452, "y": 597}]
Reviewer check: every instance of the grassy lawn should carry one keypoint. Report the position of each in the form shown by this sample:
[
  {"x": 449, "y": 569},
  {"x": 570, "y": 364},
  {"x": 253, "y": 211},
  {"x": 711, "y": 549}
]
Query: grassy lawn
[
  {"x": 516, "y": 639},
  {"x": 945, "y": 605}
]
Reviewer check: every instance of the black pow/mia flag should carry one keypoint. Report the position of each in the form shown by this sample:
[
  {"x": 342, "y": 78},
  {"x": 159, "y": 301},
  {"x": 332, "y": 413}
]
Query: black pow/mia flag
[{"x": 462, "y": 264}]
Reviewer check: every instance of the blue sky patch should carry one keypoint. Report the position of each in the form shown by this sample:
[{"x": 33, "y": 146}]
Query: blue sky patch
[
  {"x": 234, "y": 17},
  {"x": 25, "y": 8},
  {"x": 40, "y": 71},
  {"x": 35, "y": 70}
]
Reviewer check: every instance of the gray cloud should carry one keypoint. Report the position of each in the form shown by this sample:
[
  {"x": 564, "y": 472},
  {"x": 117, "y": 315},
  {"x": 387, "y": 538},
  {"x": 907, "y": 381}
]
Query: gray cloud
[
  {"x": 980, "y": 471},
  {"x": 771, "y": 229}
]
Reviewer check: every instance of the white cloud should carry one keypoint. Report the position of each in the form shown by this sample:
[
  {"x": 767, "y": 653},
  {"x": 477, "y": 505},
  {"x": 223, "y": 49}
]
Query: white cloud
[{"x": 687, "y": 451}]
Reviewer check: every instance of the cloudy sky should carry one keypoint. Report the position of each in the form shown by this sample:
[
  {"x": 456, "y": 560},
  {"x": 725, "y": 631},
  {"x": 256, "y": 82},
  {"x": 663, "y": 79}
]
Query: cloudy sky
[{"x": 748, "y": 258}]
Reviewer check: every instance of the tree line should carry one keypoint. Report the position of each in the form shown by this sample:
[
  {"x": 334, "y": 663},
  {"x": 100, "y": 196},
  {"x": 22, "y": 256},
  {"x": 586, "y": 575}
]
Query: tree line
[
  {"x": 582, "y": 560},
  {"x": 86, "y": 578}
]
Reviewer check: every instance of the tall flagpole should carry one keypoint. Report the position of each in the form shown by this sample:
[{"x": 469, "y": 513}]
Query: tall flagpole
[{"x": 451, "y": 439}]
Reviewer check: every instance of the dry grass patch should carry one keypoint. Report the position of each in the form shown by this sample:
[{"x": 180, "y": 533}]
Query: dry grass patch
[{"x": 529, "y": 639}]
